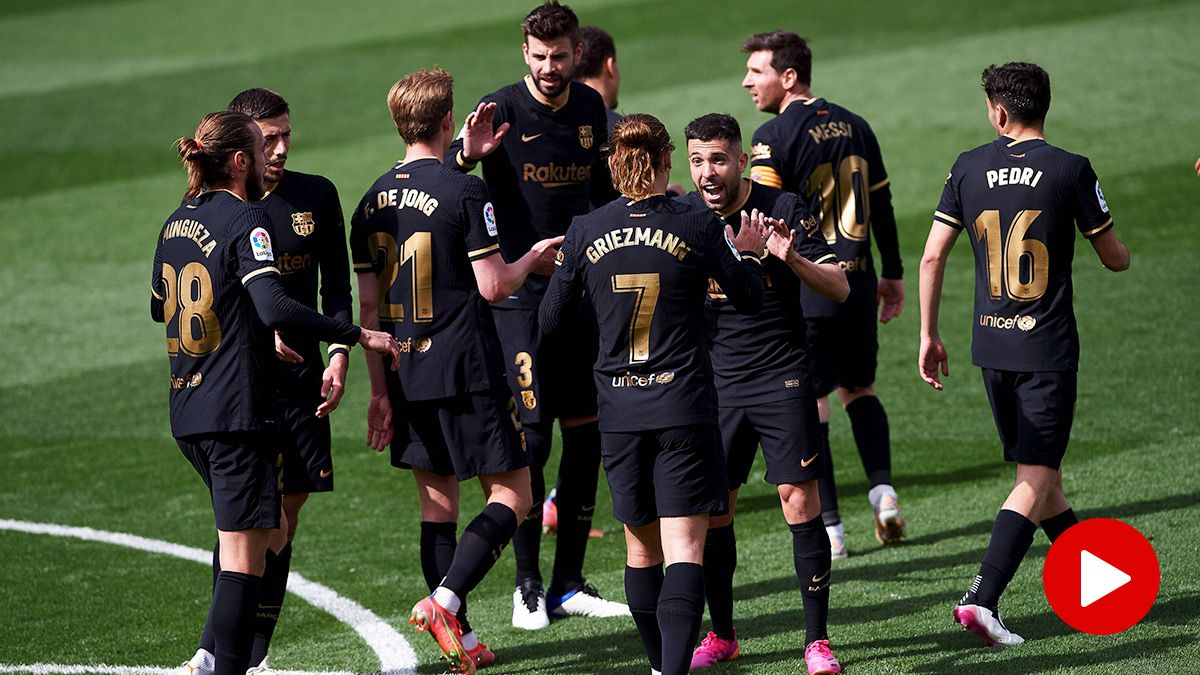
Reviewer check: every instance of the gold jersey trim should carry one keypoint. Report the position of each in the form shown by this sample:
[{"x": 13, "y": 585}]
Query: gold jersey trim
[
  {"x": 259, "y": 272},
  {"x": 736, "y": 207},
  {"x": 1015, "y": 142},
  {"x": 824, "y": 258},
  {"x": 159, "y": 297},
  {"x": 537, "y": 95},
  {"x": 463, "y": 161},
  {"x": 364, "y": 267},
  {"x": 236, "y": 195},
  {"x": 480, "y": 251},
  {"x": 333, "y": 347},
  {"x": 947, "y": 218},
  {"x": 880, "y": 184},
  {"x": 1097, "y": 229}
]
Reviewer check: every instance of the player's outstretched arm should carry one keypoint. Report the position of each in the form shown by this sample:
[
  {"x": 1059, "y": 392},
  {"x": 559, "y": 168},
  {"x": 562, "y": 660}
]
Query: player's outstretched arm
[
  {"x": 737, "y": 260},
  {"x": 566, "y": 287},
  {"x": 497, "y": 279},
  {"x": 828, "y": 279},
  {"x": 379, "y": 410},
  {"x": 1113, "y": 253},
  {"x": 932, "y": 356},
  {"x": 479, "y": 137}
]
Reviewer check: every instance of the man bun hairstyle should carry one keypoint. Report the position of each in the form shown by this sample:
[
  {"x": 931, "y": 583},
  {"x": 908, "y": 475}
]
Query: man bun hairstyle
[
  {"x": 714, "y": 127},
  {"x": 598, "y": 47},
  {"x": 1023, "y": 88},
  {"x": 419, "y": 101},
  {"x": 551, "y": 21},
  {"x": 635, "y": 151},
  {"x": 259, "y": 104},
  {"x": 206, "y": 155},
  {"x": 788, "y": 50}
]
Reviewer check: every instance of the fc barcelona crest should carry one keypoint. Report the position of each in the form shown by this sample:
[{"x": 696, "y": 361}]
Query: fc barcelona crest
[
  {"x": 585, "y": 136},
  {"x": 528, "y": 399},
  {"x": 303, "y": 223}
]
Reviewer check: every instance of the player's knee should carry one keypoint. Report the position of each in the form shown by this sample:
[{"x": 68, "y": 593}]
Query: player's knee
[
  {"x": 849, "y": 396},
  {"x": 723, "y": 520},
  {"x": 800, "y": 501}
]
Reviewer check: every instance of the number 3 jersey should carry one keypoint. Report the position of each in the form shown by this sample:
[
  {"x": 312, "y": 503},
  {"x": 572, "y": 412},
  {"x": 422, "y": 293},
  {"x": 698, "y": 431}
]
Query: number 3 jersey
[
  {"x": 220, "y": 351},
  {"x": 645, "y": 265},
  {"x": 419, "y": 228},
  {"x": 1021, "y": 203}
]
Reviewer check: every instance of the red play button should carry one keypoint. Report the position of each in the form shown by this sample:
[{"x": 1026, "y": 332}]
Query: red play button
[{"x": 1101, "y": 576}]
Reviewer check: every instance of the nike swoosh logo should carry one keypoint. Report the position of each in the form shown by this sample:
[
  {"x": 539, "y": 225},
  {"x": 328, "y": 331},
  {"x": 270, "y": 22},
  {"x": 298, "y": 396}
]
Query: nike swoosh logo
[
  {"x": 817, "y": 580},
  {"x": 805, "y": 462},
  {"x": 326, "y": 474},
  {"x": 526, "y": 139}
]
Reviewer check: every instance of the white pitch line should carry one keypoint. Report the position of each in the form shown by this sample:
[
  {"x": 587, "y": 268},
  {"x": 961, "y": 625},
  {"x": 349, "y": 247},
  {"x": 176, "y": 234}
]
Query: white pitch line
[{"x": 396, "y": 656}]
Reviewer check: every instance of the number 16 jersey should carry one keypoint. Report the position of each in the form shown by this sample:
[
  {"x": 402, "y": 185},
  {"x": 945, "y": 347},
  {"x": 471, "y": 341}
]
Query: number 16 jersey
[{"x": 1020, "y": 203}]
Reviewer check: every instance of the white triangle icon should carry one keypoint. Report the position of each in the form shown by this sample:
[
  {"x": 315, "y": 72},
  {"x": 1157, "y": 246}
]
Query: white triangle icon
[{"x": 1097, "y": 578}]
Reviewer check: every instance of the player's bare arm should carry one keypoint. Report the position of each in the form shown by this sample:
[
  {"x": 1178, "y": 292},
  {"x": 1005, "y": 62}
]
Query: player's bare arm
[
  {"x": 333, "y": 383},
  {"x": 379, "y": 409},
  {"x": 1113, "y": 253},
  {"x": 479, "y": 138},
  {"x": 932, "y": 356},
  {"x": 497, "y": 280},
  {"x": 828, "y": 279}
]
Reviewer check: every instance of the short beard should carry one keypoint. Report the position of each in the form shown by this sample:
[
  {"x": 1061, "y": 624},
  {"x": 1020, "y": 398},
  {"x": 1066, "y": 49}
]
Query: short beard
[{"x": 255, "y": 187}]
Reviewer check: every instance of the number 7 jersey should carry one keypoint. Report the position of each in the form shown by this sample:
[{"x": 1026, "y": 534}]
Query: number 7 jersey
[{"x": 1020, "y": 203}]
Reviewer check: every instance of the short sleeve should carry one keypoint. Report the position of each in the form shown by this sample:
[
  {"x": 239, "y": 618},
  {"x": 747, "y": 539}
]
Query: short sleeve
[
  {"x": 360, "y": 250},
  {"x": 253, "y": 243},
  {"x": 1091, "y": 211},
  {"x": 479, "y": 218},
  {"x": 949, "y": 210},
  {"x": 765, "y": 167}
]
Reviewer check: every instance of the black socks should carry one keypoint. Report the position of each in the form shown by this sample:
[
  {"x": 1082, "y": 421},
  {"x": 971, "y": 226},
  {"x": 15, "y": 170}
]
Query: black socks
[
  {"x": 207, "y": 641},
  {"x": 680, "y": 606},
  {"x": 826, "y": 486},
  {"x": 270, "y": 601},
  {"x": 479, "y": 548},
  {"x": 438, "y": 543},
  {"x": 1012, "y": 534},
  {"x": 720, "y": 562},
  {"x": 527, "y": 542},
  {"x": 810, "y": 549},
  {"x": 1056, "y": 525},
  {"x": 869, "y": 423},
  {"x": 232, "y": 617},
  {"x": 578, "y": 472},
  {"x": 642, "y": 588}
]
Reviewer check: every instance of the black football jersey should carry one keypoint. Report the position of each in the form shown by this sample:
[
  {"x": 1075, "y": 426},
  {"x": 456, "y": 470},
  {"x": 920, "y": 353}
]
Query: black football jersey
[
  {"x": 548, "y": 170},
  {"x": 220, "y": 352},
  {"x": 763, "y": 357},
  {"x": 1021, "y": 203},
  {"x": 310, "y": 237},
  {"x": 829, "y": 156},
  {"x": 645, "y": 266},
  {"x": 419, "y": 228}
]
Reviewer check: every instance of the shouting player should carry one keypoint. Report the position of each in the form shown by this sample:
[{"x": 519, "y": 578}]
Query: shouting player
[
  {"x": 1022, "y": 200},
  {"x": 539, "y": 142},
  {"x": 829, "y": 155},
  {"x": 425, "y": 248},
  {"x": 645, "y": 260},
  {"x": 215, "y": 285},
  {"x": 764, "y": 389}
]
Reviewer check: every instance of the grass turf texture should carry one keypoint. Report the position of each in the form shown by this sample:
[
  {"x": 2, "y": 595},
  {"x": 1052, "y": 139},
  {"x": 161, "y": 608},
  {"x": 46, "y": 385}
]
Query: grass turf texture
[{"x": 94, "y": 93}]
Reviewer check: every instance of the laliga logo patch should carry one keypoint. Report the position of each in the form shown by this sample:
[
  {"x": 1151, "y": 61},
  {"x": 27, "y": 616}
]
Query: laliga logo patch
[
  {"x": 489, "y": 219},
  {"x": 260, "y": 244},
  {"x": 1100, "y": 198}
]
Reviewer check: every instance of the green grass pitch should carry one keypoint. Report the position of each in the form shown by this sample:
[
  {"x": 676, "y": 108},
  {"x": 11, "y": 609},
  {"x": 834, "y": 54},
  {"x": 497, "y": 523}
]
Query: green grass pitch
[{"x": 93, "y": 93}]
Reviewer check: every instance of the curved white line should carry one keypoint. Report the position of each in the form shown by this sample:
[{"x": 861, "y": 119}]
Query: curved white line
[{"x": 396, "y": 656}]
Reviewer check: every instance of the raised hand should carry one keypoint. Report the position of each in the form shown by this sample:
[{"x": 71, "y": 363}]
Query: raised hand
[
  {"x": 478, "y": 136},
  {"x": 751, "y": 237},
  {"x": 780, "y": 239}
]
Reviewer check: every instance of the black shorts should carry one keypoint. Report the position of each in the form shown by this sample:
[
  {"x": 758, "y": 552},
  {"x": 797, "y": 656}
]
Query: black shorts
[
  {"x": 1033, "y": 413},
  {"x": 241, "y": 470},
  {"x": 550, "y": 376},
  {"x": 665, "y": 473},
  {"x": 306, "y": 448},
  {"x": 789, "y": 432},
  {"x": 844, "y": 351},
  {"x": 463, "y": 436}
]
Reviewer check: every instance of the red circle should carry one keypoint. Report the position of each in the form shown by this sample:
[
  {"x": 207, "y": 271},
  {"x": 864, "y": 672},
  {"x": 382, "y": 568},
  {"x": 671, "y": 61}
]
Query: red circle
[{"x": 1074, "y": 556}]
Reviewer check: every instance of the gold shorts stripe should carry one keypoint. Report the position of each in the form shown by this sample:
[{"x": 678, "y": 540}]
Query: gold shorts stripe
[
  {"x": 948, "y": 219},
  {"x": 481, "y": 251},
  {"x": 258, "y": 273},
  {"x": 880, "y": 184},
  {"x": 766, "y": 175},
  {"x": 826, "y": 258},
  {"x": 1095, "y": 230}
]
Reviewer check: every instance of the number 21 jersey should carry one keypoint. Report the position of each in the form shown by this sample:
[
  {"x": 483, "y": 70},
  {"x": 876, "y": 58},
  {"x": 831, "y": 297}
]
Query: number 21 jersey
[{"x": 1020, "y": 203}]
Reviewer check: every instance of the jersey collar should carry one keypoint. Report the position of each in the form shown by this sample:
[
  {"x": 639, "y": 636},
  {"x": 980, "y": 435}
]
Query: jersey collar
[
  {"x": 537, "y": 95},
  {"x": 737, "y": 207}
]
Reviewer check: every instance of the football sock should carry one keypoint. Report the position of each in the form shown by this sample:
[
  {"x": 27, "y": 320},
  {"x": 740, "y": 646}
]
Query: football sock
[
  {"x": 680, "y": 607},
  {"x": 479, "y": 548},
  {"x": 720, "y": 562},
  {"x": 270, "y": 601},
  {"x": 826, "y": 485},
  {"x": 642, "y": 588},
  {"x": 447, "y": 599},
  {"x": 207, "y": 641},
  {"x": 234, "y": 599},
  {"x": 869, "y": 423},
  {"x": 810, "y": 550},
  {"x": 527, "y": 542},
  {"x": 1012, "y": 534},
  {"x": 438, "y": 542},
  {"x": 1056, "y": 525},
  {"x": 579, "y": 470},
  {"x": 876, "y": 494}
]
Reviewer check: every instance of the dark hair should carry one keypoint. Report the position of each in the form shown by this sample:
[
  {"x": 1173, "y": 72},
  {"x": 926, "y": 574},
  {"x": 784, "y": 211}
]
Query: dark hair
[
  {"x": 551, "y": 21},
  {"x": 635, "y": 150},
  {"x": 1023, "y": 88},
  {"x": 788, "y": 50},
  {"x": 714, "y": 127},
  {"x": 259, "y": 104},
  {"x": 206, "y": 155},
  {"x": 419, "y": 101},
  {"x": 598, "y": 47}
]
